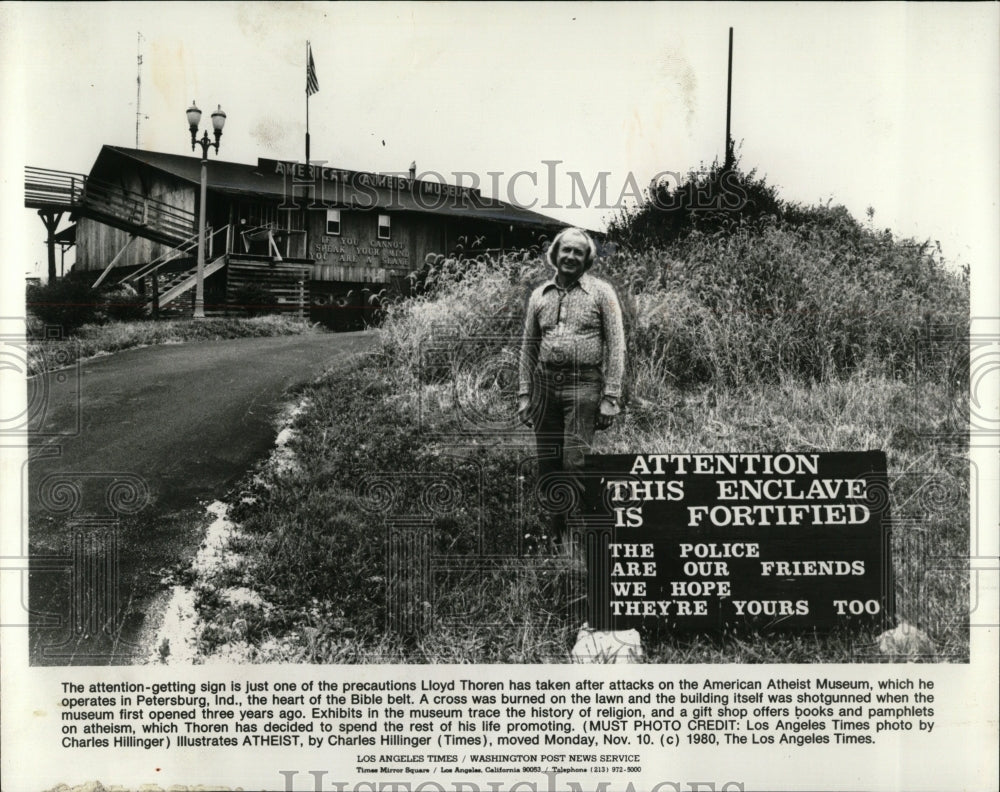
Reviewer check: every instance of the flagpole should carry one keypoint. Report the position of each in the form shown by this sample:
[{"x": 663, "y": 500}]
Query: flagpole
[{"x": 307, "y": 104}]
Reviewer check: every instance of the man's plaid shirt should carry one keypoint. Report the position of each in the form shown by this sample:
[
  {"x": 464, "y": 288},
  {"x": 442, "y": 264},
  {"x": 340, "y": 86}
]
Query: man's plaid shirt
[{"x": 579, "y": 326}]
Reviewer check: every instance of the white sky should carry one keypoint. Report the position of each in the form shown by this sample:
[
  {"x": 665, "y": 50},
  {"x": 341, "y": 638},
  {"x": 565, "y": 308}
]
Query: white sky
[{"x": 893, "y": 106}]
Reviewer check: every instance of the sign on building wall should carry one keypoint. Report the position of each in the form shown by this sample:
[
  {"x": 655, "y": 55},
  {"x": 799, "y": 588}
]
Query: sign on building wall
[
  {"x": 711, "y": 542},
  {"x": 355, "y": 253},
  {"x": 351, "y": 250},
  {"x": 331, "y": 184}
]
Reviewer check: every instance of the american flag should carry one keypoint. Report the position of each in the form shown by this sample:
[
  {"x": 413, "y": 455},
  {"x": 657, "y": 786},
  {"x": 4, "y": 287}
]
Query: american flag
[{"x": 312, "y": 84}]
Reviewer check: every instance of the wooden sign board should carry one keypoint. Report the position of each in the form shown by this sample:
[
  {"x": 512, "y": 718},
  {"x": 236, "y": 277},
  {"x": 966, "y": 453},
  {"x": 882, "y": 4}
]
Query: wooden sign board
[{"x": 712, "y": 542}]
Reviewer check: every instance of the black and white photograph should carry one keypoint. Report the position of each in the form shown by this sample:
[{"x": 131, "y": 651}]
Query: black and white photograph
[{"x": 493, "y": 395}]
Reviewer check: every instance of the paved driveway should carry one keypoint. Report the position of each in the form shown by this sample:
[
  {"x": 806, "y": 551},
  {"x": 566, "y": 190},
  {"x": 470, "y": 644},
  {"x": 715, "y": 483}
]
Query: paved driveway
[{"x": 129, "y": 450}]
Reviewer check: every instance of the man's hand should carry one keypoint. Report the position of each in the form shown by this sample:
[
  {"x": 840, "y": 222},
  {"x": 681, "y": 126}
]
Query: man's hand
[
  {"x": 606, "y": 412},
  {"x": 524, "y": 410}
]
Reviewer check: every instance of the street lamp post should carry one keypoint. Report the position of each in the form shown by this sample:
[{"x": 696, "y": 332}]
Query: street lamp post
[{"x": 218, "y": 121}]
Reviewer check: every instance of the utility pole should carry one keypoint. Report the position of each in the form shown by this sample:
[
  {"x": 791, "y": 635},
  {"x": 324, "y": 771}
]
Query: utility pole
[
  {"x": 138, "y": 86},
  {"x": 730, "y": 157}
]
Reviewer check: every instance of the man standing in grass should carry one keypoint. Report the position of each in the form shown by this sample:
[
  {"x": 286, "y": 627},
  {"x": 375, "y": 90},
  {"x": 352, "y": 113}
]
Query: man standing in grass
[{"x": 572, "y": 362}]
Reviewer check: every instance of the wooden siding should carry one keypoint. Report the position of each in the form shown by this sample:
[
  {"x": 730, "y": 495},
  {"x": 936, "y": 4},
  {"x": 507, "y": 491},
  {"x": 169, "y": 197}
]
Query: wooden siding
[
  {"x": 97, "y": 243},
  {"x": 287, "y": 282},
  {"x": 357, "y": 255}
]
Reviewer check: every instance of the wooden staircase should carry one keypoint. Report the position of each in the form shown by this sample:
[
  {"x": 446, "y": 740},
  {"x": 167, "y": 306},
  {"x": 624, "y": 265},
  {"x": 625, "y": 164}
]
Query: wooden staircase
[
  {"x": 109, "y": 204},
  {"x": 175, "y": 290}
]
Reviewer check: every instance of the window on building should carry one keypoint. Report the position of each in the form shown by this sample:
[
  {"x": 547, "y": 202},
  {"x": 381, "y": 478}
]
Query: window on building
[
  {"x": 384, "y": 229},
  {"x": 333, "y": 222}
]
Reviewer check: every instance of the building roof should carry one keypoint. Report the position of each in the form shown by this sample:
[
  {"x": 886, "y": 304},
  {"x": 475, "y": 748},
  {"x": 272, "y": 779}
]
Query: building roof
[{"x": 348, "y": 189}]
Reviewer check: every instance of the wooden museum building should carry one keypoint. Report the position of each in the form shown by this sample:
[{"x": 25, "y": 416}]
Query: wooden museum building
[{"x": 310, "y": 239}]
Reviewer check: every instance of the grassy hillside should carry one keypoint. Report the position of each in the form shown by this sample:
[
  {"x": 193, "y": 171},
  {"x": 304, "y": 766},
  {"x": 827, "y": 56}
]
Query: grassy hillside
[{"x": 804, "y": 333}]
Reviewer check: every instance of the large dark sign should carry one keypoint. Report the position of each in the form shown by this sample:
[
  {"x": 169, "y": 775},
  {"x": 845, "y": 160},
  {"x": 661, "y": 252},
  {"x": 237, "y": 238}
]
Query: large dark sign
[{"x": 708, "y": 542}]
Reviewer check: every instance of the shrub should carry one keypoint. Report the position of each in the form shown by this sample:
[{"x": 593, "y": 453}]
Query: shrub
[
  {"x": 253, "y": 298},
  {"x": 68, "y": 302},
  {"x": 123, "y": 304},
  {"x": 706, "y": 200},
  {"x": 34, "y": 327}
]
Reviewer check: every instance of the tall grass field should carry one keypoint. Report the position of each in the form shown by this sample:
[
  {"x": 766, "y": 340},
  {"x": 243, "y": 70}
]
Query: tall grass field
[{"x": 401, "y": 527}]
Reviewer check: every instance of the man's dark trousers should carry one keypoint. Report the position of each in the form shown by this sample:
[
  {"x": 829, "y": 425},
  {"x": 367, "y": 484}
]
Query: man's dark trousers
[{"x": 565, "y": 412}]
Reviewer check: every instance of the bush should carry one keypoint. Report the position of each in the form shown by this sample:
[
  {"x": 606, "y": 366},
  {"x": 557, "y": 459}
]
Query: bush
[
  {"x": 706, "y": 200},
  {"x": 253, "y": 298},
  {"x": 71, "y": 303},
  {"x": 381, "y": 481},
  {"x": 123, "y": 304},
  {"x": 68, "y": 303}
]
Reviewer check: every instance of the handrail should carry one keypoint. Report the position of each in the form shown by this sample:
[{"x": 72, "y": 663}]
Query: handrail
[
  {"x": 135, "y": 208},
  {"x": 52, "y": 187},
  {"x": 108, "y": 203},
  {"x": 76, "y": 190},
  {"x": 188, "y": 283},
  {"x": 184, "y": 247},
  {"x": 156, "y": 263}
]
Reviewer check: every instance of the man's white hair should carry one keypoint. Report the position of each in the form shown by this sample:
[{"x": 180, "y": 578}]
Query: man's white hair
[{"x": 591, "y": 247}]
